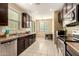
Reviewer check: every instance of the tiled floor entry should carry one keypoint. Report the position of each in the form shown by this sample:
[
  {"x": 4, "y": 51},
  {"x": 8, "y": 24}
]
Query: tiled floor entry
[{"x": 41, "y": 47}]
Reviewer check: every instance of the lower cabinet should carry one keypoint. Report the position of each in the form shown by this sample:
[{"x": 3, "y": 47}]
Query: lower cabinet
[
  {"x": 16, "y": 46},
  {"x": 32, "y": 39},
  {"x": 20, "y": 45},
  {"x": 25, "y": 42},
  {"x": 8, "y": 48}
]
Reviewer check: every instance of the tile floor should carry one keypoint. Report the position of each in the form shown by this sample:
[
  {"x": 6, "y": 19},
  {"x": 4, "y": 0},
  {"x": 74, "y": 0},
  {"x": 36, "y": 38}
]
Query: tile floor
[{"x": 41, "y": 47}]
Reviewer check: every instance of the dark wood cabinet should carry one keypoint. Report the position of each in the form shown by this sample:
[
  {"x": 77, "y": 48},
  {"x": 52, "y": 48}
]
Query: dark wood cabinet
[
  {"x": 3, "y": 14},
  {"x": 32, "y": 39},
  {"x": 64, "y": 11},
  {"x": 20, "y": 45},
  {"x": 25, "y": 20},
  {"x": 24, "y": 42},
  {"x": 60, "y": 17}
]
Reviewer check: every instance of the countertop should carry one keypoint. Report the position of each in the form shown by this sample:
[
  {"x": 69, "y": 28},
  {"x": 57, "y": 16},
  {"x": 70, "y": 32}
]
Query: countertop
[
  {"x": 73, "y": 44},
  {"x": 12, "y": 37}
]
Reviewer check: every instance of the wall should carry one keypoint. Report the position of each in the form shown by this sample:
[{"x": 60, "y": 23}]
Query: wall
[
  {"x": 56, "y": 25},
  {"x": 71, "y": 29},
  {"x": 40, "y": 33},
  {"x": 16, "y": 8}
]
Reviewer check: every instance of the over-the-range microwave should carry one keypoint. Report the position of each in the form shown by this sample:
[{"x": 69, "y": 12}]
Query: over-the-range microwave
[{"x": 72, "y": 19}]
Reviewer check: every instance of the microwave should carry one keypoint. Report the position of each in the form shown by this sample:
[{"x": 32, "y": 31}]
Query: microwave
[{"x": 72, "y": 18}]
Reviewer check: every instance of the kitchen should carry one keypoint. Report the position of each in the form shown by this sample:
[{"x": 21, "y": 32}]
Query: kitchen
[{"x": 19, "y": 30}]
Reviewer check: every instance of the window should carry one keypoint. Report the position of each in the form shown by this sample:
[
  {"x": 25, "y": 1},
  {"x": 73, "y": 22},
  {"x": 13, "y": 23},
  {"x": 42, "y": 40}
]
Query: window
[
  {"x": 32, "y": 26},
  {"x": 43, "y": 26}
]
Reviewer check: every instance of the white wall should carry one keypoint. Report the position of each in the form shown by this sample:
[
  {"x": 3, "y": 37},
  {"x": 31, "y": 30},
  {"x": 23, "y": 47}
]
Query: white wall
[{"x": 55, "y": 25}]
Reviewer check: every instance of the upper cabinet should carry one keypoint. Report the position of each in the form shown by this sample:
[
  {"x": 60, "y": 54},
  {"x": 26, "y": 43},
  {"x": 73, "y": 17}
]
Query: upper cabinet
[
  {"x": 3, "y": 14},
  {"x": 60, "y": 16},
  {"x": 26, "y": 20},
  {"x": 69, "y": 14}
]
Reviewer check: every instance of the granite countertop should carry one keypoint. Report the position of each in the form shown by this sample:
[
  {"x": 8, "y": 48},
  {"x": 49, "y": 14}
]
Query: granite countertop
[
  {"x": 12, "y": 37},
  {"x": 74, "y": 46},
  {"x": 72, "y": 43}
]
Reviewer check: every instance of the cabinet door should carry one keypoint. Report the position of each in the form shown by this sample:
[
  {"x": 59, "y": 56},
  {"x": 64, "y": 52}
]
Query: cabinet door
[
  {"x": 26, "y": 42},
  {"x": 20, "y": 45},
  {"x": 25, "y": 20},
  {"x": 4, "y": 14},
  {"x": 32, "y": 39}
]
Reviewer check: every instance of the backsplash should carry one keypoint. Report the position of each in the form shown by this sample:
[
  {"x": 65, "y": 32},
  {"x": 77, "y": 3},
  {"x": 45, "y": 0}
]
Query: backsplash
[
  {"x": 22, "y": 30},
  {"x": 2, "y": 27},
  {"x": 71, "y": 29}
]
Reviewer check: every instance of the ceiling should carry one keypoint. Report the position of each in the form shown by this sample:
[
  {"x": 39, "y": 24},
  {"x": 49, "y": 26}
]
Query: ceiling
[{"x": 40, "y": 10}]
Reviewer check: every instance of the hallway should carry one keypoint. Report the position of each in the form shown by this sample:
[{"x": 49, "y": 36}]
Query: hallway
[{"x": 41, "y": 47}]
